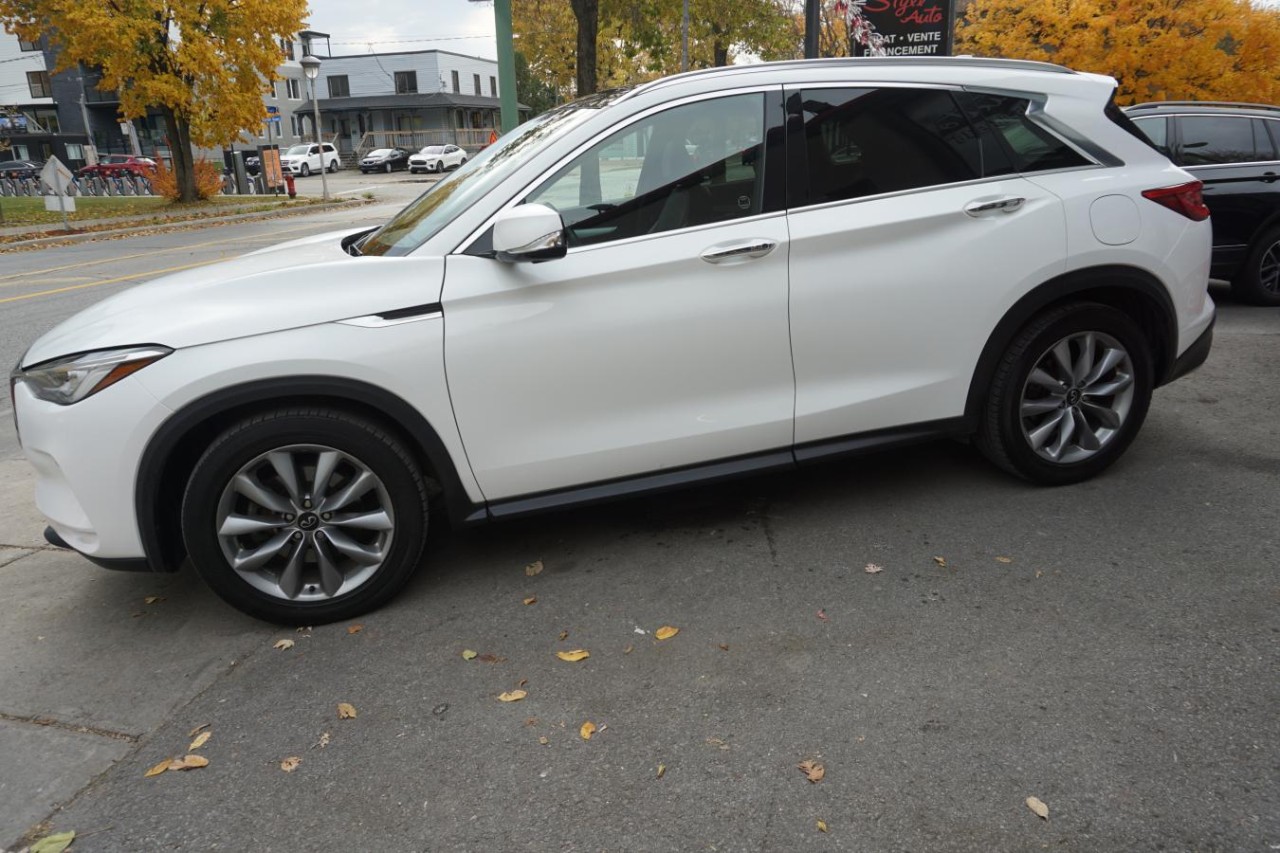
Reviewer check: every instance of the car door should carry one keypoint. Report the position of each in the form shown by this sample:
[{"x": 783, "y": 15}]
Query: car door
[
  {"x": 1236, "y": 159},
  {"x": 660, "y": 340},
  {"x": 911, "y": 235}
]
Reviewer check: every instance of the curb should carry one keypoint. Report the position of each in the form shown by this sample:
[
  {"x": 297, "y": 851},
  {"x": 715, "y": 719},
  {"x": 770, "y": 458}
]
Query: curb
[{"x": 88, "y": 236}]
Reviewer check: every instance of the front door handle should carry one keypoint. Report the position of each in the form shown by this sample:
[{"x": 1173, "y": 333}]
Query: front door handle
[
  {"x": 984, "y": 206},
  {"x": 1269, "y": 177},
  {"x": 740, "y": 251}
]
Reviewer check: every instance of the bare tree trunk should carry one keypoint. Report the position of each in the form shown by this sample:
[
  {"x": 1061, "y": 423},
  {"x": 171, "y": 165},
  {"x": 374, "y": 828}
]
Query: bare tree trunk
[
  {"x": 588, "y": 14},
  {"x": 180, "y": 147}
]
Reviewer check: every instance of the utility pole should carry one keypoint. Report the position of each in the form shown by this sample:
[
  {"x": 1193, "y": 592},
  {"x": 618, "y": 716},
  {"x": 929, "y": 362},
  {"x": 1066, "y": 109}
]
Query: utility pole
[
  {"x": 684, "y": 38},
  {"x": 810, "y": 29},
  {"x": 506, "y": 64}
]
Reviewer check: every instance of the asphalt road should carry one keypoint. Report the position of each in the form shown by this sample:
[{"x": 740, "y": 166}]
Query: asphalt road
[{"x": 1111, "y": 648}]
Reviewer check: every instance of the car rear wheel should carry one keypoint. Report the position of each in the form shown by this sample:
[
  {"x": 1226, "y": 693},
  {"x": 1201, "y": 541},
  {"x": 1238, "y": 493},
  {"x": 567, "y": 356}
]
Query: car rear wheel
[
  {"x": 1068, "y": 396},
  {"x": 1259, "y": 280},
  {"x": 305, "y": 170},
  {"x": 305, "y": 516}
]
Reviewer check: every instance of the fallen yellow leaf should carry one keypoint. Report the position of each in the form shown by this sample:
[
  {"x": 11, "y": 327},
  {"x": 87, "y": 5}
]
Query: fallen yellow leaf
[
  {"x": 467, "y": 654},
  {"x": 290, "y": 764},
  {"x": 543, "y": 740},
  {"x": 324, "y": 740},
  {"x": 813, "y": 770},
  {"x": 662, "y": 770},
  {"x": 159, "y": 768},
  {"x": 822, "y": 826},
  {"x": 666, "y": 632},
  {"x": 189, "y": 762},
  {"x": 724, "y": 647},
  {"x": 1039, "y": 573},
  {"x": 1004, "y": 559},
  {"x": 153, "y": 599},
  {"x": 587, "y": 730},
  {"x": 346, "y": 711},
  {"x": 574, "y": 656},
  {"x": 873, "y": 569},
  {"x": 55, "y": 843},
  {"x": 201, "y": 740},
  {"x": 533, "y": 599},
  {"x": 533, "y": 568},
  {"x": 1038, "y": 806},
  {"x": 198, "y": 729},
  {"x": 564, "y": 635},
  {"x": 355, "y": 629},
  {"x": 627, "y": 650},
  {"x": 512, "y": 695},
  {"x": 941, "y": 561},
  {"x": 283, "y": 645}
]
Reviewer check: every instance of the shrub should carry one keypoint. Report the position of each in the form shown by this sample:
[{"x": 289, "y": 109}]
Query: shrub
[{"x": 208, "y": 181}]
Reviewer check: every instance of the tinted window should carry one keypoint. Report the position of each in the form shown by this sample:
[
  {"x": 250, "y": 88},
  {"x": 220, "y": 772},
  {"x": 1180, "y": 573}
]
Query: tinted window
[
  {"x": 1156, "y": 130},
  {"x": 862, "y": 142},
  {"x": 1034, "y": 149},
  {"x": 690, "y": 165},
  {"x": 1207, "y": 140}
]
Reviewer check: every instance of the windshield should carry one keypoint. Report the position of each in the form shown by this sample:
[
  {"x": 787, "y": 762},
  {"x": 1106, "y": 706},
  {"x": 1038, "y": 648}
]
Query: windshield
[
  {"x": 298, "y": 150},
  {"x": 380, "y": 152},
  {"x": 423, "y": 219},
  {"x": 432, "y": 149}
]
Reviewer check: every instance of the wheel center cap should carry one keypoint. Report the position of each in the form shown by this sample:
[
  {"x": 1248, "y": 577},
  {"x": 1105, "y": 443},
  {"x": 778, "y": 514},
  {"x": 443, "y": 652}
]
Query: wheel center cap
[
  {"x": 308, "y": 521},
  {"x": 1073, "y": 397}
]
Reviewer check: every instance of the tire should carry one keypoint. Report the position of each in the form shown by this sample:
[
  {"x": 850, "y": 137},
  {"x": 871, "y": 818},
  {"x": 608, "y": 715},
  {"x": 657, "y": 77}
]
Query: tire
[
  {"x": 1258, "y": 282},
  {"x": 440, "y": 166},
  {"x": 305, "y": 171},
  {"x": 462, "y": 162},
  {"x": 388, "y": 167},
  {"x": 333, "y": 167},
  {"x": 1032, "y": 392},
  {"x": 304, "y": 565}
]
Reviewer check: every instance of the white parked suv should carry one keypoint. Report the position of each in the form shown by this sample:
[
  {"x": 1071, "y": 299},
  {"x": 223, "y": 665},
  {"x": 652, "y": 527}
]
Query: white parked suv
[
  {"x": 307, "y": 158},
  {"x": 437, "y": 158},
  {"x": 712, "y": 275}
]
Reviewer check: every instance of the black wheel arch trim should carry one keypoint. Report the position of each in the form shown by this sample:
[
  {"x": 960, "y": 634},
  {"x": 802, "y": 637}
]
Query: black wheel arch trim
[
  {"x": 162, "y": 556},
  {"x": 1096, "y": 284}
]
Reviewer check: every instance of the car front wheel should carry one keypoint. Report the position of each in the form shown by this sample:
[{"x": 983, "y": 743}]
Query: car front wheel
[
  {"x": 305, "y": 170},
  {"x": 305, "y": 516},
  {"x": 1068, "y": 396},
  {"x": 440, "y": 166},
  {"x": 1259, "y": 280}
]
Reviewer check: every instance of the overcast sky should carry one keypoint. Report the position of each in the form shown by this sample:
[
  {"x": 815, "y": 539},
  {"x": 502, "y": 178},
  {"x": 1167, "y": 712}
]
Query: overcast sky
[{"x": 389, "y": 26}]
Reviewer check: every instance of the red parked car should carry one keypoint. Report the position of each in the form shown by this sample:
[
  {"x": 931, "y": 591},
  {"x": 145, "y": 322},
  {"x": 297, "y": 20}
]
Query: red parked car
[{"x": 116, "y": 165}]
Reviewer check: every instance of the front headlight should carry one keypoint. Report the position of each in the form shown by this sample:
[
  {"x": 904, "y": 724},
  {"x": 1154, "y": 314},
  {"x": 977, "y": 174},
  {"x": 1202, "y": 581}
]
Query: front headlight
[{"x": 69, "y": 380}]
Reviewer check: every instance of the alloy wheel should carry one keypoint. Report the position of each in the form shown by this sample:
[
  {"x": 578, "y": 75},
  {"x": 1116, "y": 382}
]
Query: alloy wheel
[{"x": 1269, "y": 269}]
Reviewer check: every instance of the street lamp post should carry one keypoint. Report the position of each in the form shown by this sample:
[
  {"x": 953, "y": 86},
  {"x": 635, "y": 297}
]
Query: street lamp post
[{"x": 311, "y": 67}]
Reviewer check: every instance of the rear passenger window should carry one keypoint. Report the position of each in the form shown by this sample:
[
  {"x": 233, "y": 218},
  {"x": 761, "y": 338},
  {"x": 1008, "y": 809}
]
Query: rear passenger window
[
  {"x": 1034, "y": 149},
  {"x": 1156, "y": 130},
  {"x": 1208, "y": 141},
  {"x": 862, "y": 142}
]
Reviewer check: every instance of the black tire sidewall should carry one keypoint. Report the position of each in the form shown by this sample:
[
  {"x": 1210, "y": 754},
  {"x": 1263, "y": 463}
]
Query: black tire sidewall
[
  {"x": 248, "y": 439},
  {"x": 1031, "y": 346},
  {"x": 305, "y": 170},
  {"x": 1247, "y": 285}
]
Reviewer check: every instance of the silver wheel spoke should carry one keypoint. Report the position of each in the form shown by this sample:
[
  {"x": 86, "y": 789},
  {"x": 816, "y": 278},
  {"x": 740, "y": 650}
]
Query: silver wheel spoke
[
  {"x": 255, "y": 558},
  {"x": 1062, "y": 355},
  {"x": 1109, "y": 361},
  {"x": 325, "y": 463},
  {"x": 330, "y": 574},
  {"x": 1066, "y": 429},
  {"x": 287, "y": 472},
  {"x": 239, "y": 525},
  {"x": 377, "y": 520},
  {"x": 1044, "y": 380},
  {"x": 1033, "y": 408},
  {"x": 246, "y": 486},
  {"x": 1101, "y": 414},
  {"x": 291, "y": 577},
  {"x": 357, "y": 487},
  {"x": 363, "y": 554},
  {"x": 1084, "y": 364},
  {"x": 1088, "y": 439},
  {"x": 1041, "y": 433},
  {"x": 1108, "y": 389}
]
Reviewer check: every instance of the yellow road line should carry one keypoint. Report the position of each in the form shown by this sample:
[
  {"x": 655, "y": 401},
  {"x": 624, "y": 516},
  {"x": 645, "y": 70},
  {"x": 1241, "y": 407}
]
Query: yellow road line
[
  {"x": 152, "y": 254},
  {"x": 116, "y": 280}
]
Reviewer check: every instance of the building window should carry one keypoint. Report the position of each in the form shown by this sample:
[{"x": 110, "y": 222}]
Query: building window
[
  {"x": 75, "y": 151},
  {"x": 456, "y": 86},
  {"x": 406, "y": 82},
  {"x": 27, "y": 46},
  {"x": 275, "y": 91},
  {"x": 294, "y": 126},
  {"x": 293, "y": 89},
  {"x": 476, "y": 78},
  {"x": 286, "y": 47},
  {"x": 493, "y": 86},
  {"x": 38, "y": 81},
  {"x": 339, "y": 86}
]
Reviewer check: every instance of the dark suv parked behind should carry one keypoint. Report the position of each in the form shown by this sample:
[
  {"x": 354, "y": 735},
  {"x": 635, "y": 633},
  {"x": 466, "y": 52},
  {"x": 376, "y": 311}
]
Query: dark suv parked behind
[{"x": 1235, "y": 150}]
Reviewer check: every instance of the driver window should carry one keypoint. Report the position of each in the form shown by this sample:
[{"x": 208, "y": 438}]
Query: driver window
[{"x": 692, "y": 165}]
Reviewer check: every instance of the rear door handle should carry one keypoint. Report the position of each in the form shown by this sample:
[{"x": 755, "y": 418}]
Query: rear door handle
[
  {"x": 740, "y": 251},
  {"x": 984, "y": 206},
  {"x": 1269, "y": 177}
]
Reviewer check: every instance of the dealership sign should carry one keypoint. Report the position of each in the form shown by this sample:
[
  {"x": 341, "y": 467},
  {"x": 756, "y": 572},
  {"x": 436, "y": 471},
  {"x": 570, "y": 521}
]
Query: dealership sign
[{"x": 899, "y": 27}]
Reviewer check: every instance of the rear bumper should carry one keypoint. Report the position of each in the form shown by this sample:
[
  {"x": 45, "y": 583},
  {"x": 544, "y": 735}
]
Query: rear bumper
[{"x": 1194, "y": 355}]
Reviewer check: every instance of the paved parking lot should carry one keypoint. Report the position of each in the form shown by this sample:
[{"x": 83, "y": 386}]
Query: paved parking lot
[{"x": 1112, "y": 649}]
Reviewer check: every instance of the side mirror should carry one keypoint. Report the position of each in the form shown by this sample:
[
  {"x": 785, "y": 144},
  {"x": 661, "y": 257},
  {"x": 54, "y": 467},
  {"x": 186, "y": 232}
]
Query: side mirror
[{"x": 529, "y": 232}]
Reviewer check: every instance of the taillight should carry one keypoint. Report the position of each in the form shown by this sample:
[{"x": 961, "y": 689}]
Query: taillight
[{"x": 1184, "y": 198}]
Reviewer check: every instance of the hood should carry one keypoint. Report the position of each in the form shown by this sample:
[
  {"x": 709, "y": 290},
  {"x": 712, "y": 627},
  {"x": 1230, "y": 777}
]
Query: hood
[{"x": 300, "y": 283}]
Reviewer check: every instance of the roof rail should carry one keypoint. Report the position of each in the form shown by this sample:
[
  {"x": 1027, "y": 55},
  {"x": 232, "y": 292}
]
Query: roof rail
[
  {"x": 1236, "y": 104},
  {"x": 863, "y": 62}
]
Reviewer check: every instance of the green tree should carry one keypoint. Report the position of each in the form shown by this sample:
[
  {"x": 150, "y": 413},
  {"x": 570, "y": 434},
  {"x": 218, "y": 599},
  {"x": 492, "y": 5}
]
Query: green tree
[
  {"x": 531, "y": 90},
  {"x": 204, "y": 64}
]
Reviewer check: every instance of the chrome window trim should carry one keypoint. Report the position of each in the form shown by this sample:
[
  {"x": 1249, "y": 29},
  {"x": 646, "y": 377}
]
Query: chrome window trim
[
  {"x": 555, "y": 168},
  {"x": 640, "y": 238}
]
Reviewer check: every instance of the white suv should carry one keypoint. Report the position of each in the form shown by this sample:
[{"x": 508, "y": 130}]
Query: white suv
[
  {"x": 306, "y": 158},
  {"x": 711, "y": 275}
]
